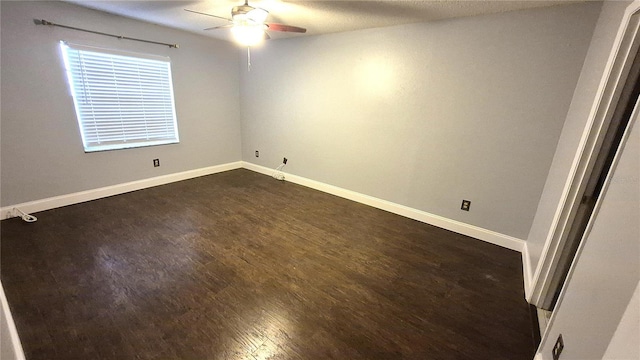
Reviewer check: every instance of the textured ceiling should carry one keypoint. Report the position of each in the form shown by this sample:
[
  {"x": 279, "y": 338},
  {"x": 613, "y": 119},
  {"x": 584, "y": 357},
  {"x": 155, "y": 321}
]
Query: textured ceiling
[{"x": 318, "y": 17}]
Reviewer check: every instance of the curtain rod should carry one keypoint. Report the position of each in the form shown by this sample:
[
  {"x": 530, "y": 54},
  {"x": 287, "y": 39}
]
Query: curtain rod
[{"x": 45, "y": 22}]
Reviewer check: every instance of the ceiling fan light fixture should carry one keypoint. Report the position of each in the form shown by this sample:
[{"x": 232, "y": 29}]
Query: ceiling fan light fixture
[{"x": 248, "y": 35}]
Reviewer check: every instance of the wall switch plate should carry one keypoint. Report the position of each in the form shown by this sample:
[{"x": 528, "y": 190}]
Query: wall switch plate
[
  {"x": 466, "y": 204},
  {"x": 257, "y": 153},
  {"x": 557, "y": 348},
  {"x": 156, "y": 162}
]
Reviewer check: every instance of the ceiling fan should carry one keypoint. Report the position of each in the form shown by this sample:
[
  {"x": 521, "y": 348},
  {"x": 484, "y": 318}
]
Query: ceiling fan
[{"x": 248, "y": 24}]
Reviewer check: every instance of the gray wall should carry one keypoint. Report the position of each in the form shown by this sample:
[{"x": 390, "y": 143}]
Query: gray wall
[
  {"x": 583, "y": 99},
  {"x": 42, "y": 153},
  {"x": 607, "y": 270},
  {"x": 424, "y": 115}
]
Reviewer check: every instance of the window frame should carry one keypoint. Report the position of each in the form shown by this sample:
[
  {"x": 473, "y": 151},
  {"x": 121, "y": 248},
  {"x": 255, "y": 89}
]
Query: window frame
[{"x": 133, "y": 126}]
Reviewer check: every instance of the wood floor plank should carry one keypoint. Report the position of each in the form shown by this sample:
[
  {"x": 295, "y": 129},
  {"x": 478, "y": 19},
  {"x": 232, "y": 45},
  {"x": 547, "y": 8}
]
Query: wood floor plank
[{"x": 238, "y": 265}]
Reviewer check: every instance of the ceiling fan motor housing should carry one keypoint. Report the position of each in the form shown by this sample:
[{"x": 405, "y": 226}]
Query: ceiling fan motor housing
[{"x": 241, "y": 9}]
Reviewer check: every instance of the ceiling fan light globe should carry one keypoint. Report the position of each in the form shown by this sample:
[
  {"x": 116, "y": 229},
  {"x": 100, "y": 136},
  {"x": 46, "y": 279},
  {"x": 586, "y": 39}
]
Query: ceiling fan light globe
[
  {"x": 240, "y": 19},
  {"x": 258, "y": 15},
  {"x": 248, "y": 35}
]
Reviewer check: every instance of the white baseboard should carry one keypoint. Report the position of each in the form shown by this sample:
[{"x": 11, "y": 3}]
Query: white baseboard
[
  {"x": 82, "y": 196},
  {"x": 489, "y": 236},
  {"x": 10, "y": 346},
  {"x": 526, "y": 271}
]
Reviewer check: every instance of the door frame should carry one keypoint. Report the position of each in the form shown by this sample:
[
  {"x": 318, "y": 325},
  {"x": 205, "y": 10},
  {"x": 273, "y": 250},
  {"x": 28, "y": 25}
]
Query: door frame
[{"x": 621, "y": 58}]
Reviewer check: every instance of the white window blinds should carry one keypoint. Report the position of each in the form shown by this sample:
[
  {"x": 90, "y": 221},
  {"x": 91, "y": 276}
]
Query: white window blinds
[{"x": 121, "y": 101}]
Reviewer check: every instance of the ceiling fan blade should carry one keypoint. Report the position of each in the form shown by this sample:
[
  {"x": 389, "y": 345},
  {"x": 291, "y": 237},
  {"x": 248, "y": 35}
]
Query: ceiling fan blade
[
  {"x": 201, "y": 13},
  {"x": 285, "y": 28},
  {"x": 228, "y": 26}
]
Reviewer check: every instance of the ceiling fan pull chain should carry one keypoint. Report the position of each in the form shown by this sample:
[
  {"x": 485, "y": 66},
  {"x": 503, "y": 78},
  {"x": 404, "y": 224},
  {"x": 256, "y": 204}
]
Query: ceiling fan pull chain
[{"x": 248, "y": 58}]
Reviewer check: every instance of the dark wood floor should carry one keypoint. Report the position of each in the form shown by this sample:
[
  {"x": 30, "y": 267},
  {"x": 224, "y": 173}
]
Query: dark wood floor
[{"x": 238, "y": 265}]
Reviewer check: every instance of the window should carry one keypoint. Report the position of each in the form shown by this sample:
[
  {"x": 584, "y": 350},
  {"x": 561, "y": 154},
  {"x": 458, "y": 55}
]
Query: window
[{"x": 121, "y": 101}]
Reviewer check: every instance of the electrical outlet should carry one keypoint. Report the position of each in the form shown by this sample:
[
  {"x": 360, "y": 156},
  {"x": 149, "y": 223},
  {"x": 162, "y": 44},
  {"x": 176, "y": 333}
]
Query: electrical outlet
[
  {"x": 284, "y": 161},
  {"x": 466, "y": 204},
  {"x": 257, "y": 153},
  {"x": 156, "y": 162},
  {"x": 557, "y": 348}
]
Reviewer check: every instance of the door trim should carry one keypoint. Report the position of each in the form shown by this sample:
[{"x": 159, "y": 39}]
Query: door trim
[{"x": 615, "y": 76}]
